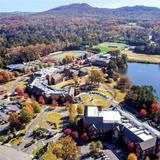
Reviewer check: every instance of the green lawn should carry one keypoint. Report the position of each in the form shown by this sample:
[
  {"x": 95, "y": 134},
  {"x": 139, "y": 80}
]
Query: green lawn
[
  {"x": 96, "y": 100},
  {"x": 100, "y": 102},
  {"x": 16, "y": 141},
  {"x": 36, "y": 150},
  {"x": 85, "y": 98},
  {"x": 51, "y": 117},
  {"x": 22, "y": 84},
  {"x": 119, "y": 96},
  {"x": 64, "y": 54},
  {"x": 65, "y": 84},
  {"x": 104, "y": 92},
  {"x": 19, "y": 140},
  {"x": 104, "y": 47}
]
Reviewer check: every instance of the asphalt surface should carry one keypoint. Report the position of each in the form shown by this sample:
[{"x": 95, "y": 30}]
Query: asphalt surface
[{"x": 8, "y": 153}]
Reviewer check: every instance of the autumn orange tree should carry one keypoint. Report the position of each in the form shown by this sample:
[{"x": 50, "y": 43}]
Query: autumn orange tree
[
  {"x": 132, "y": 156},
  {"x": 35, "y": 106},
  {"x": 67, "y": 59},
  {"x": 5, "y": 76},
  {"x": 80, "y": 109},
  {"x": 14, "y": 120},
  {"x": 66, "y": 149},
  {"x": 96, "y": 76},
  {"x": 26, "y": 114}
]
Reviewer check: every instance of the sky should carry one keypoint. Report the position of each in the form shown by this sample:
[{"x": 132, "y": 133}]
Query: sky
[{"x": 43, "y": 5}]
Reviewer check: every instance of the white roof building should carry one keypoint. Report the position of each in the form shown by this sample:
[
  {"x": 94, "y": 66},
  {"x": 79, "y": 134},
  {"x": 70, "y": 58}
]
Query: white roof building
[{"x": 107, "y": 115}]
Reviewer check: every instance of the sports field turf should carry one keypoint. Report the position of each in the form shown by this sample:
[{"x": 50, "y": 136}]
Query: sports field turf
[
  {"x": 62, "y": 55},
  {"x": 104, "y": 47}
]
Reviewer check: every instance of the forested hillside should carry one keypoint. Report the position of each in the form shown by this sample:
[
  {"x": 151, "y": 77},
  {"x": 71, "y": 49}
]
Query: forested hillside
[{"x": 27, "y": 37}]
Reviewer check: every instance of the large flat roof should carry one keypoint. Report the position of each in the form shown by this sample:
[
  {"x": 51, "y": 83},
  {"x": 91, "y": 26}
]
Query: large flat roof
[
  {"x": 108, "y": 116},
  {"x": 144, "y": 132},
  {"x": 92, "y": 111}
]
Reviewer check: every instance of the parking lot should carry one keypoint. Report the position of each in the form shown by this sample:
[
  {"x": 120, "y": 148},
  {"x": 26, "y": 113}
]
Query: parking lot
[
  {"x": 152, "y": 123},
  {"x": 120, "y": 153},
  {"x": 6, "y": 108}
]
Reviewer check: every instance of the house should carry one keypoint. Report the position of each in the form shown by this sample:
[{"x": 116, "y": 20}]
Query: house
[{"x": 98, "y": 122}]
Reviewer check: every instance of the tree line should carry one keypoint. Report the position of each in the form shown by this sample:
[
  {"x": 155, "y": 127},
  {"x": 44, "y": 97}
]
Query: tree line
[{"x": 26, "y": 38}]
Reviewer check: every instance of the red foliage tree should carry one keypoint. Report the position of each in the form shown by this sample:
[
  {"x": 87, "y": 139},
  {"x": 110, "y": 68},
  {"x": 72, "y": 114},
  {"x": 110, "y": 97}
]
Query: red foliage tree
[
  {"x": 17, "y": 90},
  {"x": 67, "y": 131},
  {"x": 143, "y": 113},
  {"x": 21, "y": 93},
  {"x": 75, "y": 134},
  {"x": 42, "y": 100},
  {"x": 84, "y": 137},
  {"x": 25, "y": 95},
  {"x": 155, "y": 107},
  {"x": 131, "y": 146}
]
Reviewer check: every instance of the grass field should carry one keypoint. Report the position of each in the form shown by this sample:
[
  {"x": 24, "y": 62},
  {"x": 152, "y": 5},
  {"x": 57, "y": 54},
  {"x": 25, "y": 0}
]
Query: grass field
[
  {"x": 142, "y": 58},
  {"x": 60, "y": 56},
  {"x": 51, "y": 117},
  {"x": 65, "y": 83},
  {"x": 96, "y": 100},
  {"x": 104, "y": 47},
  {"x": 16, "y": 141},
  {"x": 36, "y": 150}
]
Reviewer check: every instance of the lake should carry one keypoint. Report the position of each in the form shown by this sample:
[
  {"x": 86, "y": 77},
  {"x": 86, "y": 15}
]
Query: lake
[{"x": 145, "y": 74}]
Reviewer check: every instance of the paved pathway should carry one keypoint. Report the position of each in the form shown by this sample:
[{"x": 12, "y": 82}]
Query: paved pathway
[
  {"x": 27, "y": 137},
  {"x": 29, "y": 131},
  {"x": 16, "y": 84}
]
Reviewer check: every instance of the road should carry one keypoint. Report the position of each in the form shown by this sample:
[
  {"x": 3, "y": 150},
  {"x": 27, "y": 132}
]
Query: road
[{"x": 16, "y": 84}]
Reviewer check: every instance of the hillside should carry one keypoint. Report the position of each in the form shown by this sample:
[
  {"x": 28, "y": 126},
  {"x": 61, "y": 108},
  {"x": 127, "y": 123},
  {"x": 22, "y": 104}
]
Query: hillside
[
  {"x": 136, "y": 12},
  {"x": 85, "y": 10},
  {"x": 27, "y": 36}
]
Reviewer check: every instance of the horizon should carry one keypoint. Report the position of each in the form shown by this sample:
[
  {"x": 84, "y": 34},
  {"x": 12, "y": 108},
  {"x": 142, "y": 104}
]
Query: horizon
[{"x": 43, "y": 5}]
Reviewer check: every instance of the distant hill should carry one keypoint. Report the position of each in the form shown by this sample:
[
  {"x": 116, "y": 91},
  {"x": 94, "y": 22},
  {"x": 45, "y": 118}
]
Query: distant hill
[
  {"x": 136, "y": 12},
  {"x": 83, "y": 9},
  {"x": 16, "y": 13}
]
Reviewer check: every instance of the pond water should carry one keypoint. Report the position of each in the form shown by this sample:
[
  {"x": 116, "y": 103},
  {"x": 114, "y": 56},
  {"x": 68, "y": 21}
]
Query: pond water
[{"x": 145, "y": 74}]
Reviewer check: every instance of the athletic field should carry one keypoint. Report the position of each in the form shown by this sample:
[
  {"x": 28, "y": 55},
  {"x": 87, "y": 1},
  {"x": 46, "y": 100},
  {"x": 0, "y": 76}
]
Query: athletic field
[
  {"x": 104, "y": 47},
  {"x": 60, "y": 55}
]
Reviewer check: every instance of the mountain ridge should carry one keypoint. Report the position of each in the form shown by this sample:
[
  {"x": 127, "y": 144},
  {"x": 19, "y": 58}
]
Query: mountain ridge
[{"x": 84, "y": 9}]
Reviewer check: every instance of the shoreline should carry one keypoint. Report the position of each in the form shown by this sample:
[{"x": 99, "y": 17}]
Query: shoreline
[
  {"x": 141, "y": 61},
  {"x": 141, "y": 58}
]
